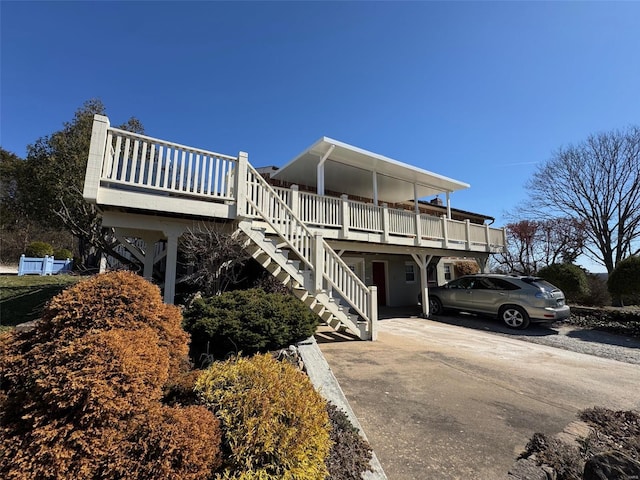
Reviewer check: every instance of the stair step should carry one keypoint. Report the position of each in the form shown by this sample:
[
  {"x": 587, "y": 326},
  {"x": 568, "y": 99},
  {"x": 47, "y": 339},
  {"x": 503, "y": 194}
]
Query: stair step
[{"x": 273, "y": 255}]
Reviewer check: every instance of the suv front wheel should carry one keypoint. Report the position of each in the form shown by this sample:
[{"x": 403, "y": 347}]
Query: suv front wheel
[
  {"x": 435, "y": 306},
  {"x": 514, "y": 317}
]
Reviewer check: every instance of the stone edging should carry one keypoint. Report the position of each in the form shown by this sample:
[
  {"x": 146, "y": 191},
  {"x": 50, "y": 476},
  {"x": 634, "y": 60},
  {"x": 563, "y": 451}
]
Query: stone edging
[
  {"x": 528, "y": 468},
  {"x": 327, "y": 385}
]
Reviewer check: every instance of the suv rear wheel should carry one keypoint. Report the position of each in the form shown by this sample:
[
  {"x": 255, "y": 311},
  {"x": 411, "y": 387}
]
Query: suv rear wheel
[{"x": 514, "y": 317}]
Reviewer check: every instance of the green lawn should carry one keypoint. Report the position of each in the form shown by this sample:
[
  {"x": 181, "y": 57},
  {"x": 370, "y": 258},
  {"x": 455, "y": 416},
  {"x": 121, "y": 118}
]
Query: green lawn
[{"x": 22, "y": 298}]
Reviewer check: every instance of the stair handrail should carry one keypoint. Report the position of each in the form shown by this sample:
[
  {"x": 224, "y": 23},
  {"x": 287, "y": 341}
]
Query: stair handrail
[{"x": 362, "y": 301}]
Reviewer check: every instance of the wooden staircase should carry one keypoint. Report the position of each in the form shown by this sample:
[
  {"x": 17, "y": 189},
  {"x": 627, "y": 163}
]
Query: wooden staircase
[
  {"x": 304, "y": 261},
  {"x": 333, "y": 310}
]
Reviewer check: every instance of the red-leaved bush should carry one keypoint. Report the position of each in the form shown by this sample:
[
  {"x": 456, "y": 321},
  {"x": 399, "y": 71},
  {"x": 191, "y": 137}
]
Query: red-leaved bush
[{"x": 81, "y": 394}]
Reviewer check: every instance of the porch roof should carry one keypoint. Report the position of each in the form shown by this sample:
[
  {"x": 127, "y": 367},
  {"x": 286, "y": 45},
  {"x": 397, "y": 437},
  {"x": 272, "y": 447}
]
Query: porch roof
[{"x": 349, "y": 170}]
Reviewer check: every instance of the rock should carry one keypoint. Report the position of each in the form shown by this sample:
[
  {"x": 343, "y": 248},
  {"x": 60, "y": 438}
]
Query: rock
[
  {"x": 574, "y": 432},
  {"x": 528, "y": 469},
  {"x": 611, "y": 465}
]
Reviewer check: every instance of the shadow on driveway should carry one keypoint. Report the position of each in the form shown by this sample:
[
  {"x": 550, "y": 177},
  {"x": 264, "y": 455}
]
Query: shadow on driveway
[
  {"x": 468, "y": 320},
  {"x": 597, "y": 336},
  {"x": 488, "y": 324}
]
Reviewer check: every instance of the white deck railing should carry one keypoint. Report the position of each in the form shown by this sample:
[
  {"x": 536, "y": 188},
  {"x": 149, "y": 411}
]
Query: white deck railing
[
  {"x": 144, "y": 163},
  {"x": 402, "y": 222},
  {"x": 352, "y": 216},
  {"x": 138, "y": 163}
]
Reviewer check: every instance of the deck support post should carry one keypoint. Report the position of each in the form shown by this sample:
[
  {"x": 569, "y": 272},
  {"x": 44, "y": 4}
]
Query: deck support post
[
  {"x": 172, "y": 259},
  {"x": 423, "y": 260},
  {"x": 467, "y": 226},
  {"x": 449, "y": 205},
  {"x": 149, "y": 255},
  {"x": 483, "y": 263},
  {"x": 241, "y": 184},
  {"x": 373, "y": 313}
]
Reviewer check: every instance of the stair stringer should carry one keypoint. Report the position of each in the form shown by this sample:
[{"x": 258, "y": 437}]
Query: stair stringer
[{"x": 288, "y": 271}]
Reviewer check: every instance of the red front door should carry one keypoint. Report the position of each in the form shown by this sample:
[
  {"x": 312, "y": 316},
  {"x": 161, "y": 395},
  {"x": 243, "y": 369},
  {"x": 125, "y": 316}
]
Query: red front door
[{"x": 380, "y": 281}]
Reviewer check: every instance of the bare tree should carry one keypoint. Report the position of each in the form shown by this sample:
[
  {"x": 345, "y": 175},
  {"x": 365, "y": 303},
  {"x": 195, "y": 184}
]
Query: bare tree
[
  {"x": 533, "y": 244},
  {"x": 596, "y": 182},
  {"x": 214, "y": 257}
]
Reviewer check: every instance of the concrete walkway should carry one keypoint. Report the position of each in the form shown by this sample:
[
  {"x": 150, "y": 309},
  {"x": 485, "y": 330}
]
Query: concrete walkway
[{"x": 439, "y": 401}]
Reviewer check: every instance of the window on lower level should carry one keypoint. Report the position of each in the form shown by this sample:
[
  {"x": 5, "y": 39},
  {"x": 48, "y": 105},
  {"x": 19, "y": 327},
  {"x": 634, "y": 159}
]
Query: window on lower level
[
  {"x": 409, "y": 272},
  {"x": 447, "y": 272}
]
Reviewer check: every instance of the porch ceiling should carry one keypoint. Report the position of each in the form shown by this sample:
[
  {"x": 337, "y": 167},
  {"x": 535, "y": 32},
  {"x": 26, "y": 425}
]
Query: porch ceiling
[{"x": 349, "y": 170}]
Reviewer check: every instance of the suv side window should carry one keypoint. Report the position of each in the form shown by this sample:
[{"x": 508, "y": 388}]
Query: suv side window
[
  {"x": 501, "y": 284},
  {"x": 462, "y": 283},
  {"x": 484, "y": 284}
]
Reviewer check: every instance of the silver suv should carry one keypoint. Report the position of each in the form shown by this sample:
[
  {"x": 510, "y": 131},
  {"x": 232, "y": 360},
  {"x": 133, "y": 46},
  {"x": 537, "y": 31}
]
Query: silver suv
[{"x": 515, "y": 300}]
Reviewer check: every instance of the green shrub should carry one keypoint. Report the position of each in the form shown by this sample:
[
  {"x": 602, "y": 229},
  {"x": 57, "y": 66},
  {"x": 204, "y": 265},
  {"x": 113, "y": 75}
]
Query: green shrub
[
  {"x": 350, "y": 454},
  {"x": 62, "y": 254},
  {"x": 274, "y": 424},
  {"x": 38, "y": 249},
  {"x": 247, "y": 321},
  {"x": 81, "y": 393},
  {"x": 624, "y": 281},
  {"x": 569, "y": 278},
  {"x": 598, "y": 295}
]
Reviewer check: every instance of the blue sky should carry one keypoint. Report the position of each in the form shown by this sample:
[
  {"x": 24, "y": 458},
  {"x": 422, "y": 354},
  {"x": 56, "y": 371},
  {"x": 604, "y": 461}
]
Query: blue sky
[{"x": 479, "y": 91}]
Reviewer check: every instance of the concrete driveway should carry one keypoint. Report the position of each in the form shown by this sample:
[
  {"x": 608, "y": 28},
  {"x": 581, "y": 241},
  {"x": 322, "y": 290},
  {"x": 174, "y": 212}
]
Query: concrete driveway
[{"x": 441, "y": 401}]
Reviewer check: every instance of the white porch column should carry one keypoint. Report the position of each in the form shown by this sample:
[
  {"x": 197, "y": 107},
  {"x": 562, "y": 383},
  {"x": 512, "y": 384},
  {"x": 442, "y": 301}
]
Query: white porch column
[
  {"x": 172, "y": 259},
  {"x": 375, "y": 188},
  {"x": 103, "y": 263},
  {"x": 423, "y": 260},
  {"x": 320, "y": 171},
  {"x": 373, "y": 313},
  {"x": 483, "y": 263},
  {"x": 416, "y": 207},
  {"x": 97, "y": 149},
  {"x": 149, "y": 255},
  {"x": 449, "y": 205},
  {"x": 467, "y": 227}
]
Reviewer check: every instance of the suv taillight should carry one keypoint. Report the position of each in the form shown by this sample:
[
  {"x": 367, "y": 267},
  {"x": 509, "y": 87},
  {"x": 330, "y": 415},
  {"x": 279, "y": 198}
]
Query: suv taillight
[{"x": 544, "y": 294}]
